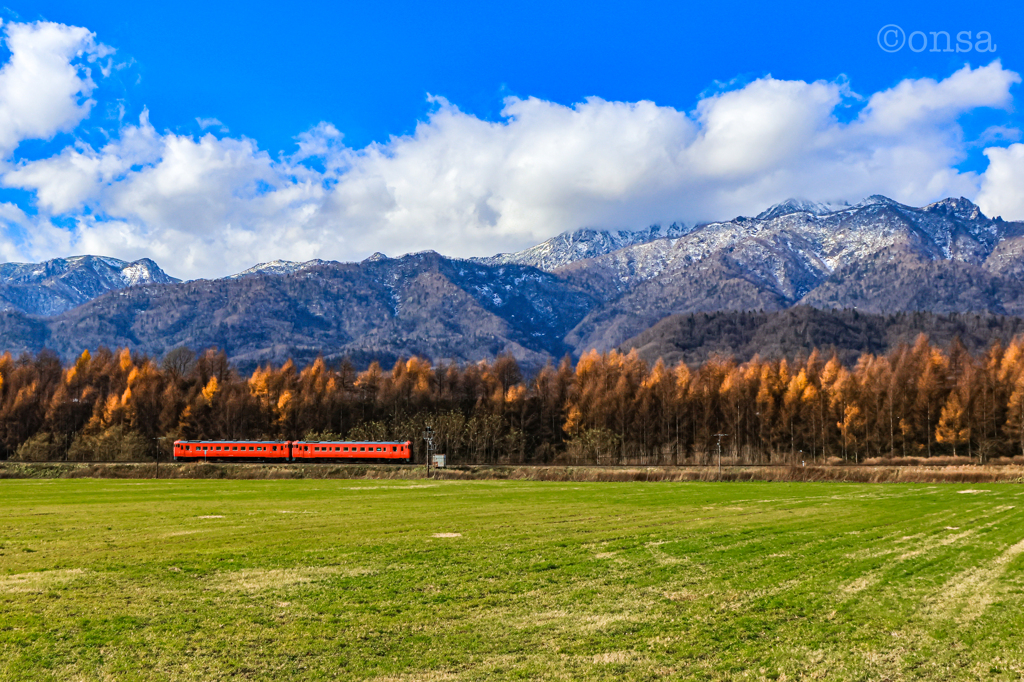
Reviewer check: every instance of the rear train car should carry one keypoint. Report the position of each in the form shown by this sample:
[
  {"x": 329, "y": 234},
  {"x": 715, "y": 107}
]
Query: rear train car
[
  {"x": 391, "y": 452},
  {"x": 232, "y": 451}
]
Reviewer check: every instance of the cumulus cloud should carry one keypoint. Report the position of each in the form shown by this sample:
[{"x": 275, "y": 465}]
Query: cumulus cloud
[
  {"x": 210, "y": 206},
  {"x": 46, "y": 84}
]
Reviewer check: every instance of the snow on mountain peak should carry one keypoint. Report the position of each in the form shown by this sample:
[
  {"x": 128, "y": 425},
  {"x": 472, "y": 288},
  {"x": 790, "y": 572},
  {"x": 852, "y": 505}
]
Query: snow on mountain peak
[
  {"x": 277, "y": 267},
  {"x": 962, "y": 208},
  {"x": 583, "y": 243},
  {"x": 143, "y": 271},
  {"x": 794, "y": 205}
]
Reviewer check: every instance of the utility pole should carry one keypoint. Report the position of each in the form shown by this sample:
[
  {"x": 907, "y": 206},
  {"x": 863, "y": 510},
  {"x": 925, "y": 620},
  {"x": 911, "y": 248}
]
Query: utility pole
[
  {"x": 428, "y": 436},
  {"x": 158, "y": 439},
  {"x": 720, "y": 436},
  {"x": 69, "y": 419}
]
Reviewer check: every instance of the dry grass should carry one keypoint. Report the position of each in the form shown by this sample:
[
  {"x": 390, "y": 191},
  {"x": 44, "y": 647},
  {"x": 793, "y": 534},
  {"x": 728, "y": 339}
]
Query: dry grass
[{"x": 921, "y": 471}]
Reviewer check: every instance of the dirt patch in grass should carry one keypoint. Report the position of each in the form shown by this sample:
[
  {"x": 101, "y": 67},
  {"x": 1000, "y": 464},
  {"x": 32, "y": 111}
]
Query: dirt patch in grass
[
  {"x": 38, "y": 581},
  {"x": 257, "y": 580},
  {"x": 612, "y": 657}
]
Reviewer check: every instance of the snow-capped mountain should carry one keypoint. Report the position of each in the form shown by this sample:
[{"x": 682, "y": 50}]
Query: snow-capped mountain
[
  {"x": 576, "y": 245},
  {"x": 53, "y": 286},
  {"x": 278, "y": 267}
]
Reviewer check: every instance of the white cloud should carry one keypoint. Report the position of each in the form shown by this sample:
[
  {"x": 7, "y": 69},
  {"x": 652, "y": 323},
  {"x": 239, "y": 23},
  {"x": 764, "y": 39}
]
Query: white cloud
[
  {"x": 1002, "y": 189},
  {"x": 205, "y": 123},
  {"x": 210, "y": 206},
  {"x": 67, "y": 181},
  {"x": 44, "y": 87}
]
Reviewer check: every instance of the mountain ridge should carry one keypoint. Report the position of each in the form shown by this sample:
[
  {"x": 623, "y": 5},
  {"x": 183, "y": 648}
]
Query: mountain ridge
[
  {"x": 857, "y": 253},
  {"x": 878, "y": 256}
]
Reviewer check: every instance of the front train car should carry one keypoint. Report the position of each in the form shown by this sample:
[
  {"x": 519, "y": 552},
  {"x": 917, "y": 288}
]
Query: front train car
[
  {"x": 390, "y": 452},
  {"x": 231, "y": 451}
]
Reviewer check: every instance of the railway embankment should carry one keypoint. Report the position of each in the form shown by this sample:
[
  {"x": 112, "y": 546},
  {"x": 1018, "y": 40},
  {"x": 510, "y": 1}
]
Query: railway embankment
[{"x": 962, "y": 473}]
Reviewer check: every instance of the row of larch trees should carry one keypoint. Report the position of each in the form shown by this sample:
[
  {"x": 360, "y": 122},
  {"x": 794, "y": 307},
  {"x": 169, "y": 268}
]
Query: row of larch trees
[{"x": 607, "y": 408}]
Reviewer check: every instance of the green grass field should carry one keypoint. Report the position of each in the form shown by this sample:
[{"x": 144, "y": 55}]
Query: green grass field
[{"x": 335, "y": 579}]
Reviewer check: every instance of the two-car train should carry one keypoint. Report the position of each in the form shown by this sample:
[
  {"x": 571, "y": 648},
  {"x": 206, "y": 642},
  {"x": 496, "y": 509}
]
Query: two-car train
[{"x": 383, "y": 452}]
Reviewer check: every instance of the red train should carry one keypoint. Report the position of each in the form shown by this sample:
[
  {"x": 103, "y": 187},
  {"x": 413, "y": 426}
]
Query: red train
[{"x": 392, "y": 452}]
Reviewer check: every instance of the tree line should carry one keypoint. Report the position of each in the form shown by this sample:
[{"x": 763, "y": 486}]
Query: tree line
[{"x": 606, "y": 408}]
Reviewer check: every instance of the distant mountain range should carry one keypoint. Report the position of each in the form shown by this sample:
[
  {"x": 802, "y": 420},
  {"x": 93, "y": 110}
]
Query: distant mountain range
[
  {"x": 583, "y": 289},
  {"x": 422, "y": 304}
]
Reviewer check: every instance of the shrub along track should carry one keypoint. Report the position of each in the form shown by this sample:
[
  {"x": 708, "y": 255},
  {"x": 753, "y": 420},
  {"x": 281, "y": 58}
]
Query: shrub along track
[{"x": 777, "y": 472}]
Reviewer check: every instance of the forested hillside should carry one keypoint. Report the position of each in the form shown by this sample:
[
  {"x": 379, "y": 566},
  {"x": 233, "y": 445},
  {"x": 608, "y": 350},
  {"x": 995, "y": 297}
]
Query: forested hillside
[{"x": 695, "y": 337}]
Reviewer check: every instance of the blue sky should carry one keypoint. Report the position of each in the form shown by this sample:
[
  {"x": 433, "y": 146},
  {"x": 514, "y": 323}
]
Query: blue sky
[{"x": 352, "y": 78}]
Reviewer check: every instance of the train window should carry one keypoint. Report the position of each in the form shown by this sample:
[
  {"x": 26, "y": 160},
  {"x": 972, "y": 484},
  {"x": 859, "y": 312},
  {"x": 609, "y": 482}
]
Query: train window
[
  {"x": 274, "y": 448},
  {"x": 235, "y": 447},
  {"x": 362, "y": 449},
  {"x": 218, "y": 447}
]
